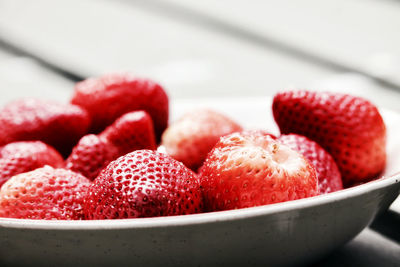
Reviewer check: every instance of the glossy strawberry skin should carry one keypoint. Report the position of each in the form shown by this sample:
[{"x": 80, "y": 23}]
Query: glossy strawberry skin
[
  {"x": 44, "y": 194},
  {"x": 246, "y": 170},
  {"x": 143, "y": 183},
  {"x": 132, "y": 131},
  {"x": 350, "y": 128},
  {"x": 59, "y": 125},
  {"x": 108, "y": 97},
  {"x": 91, "y": 155},
  {"x": 329, "y": 177},
  {"x": 194, "y": 135},
  {"x": 24, "y": 156}
]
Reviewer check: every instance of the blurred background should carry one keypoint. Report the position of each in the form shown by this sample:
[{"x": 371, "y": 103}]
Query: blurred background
[
  {"x": 203, "y": 48},
  {"x": 213, "y": 49}
]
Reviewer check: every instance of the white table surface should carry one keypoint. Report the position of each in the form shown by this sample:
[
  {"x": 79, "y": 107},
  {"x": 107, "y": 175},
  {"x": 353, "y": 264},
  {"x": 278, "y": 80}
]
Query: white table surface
[{"x": 190, "y": 47}]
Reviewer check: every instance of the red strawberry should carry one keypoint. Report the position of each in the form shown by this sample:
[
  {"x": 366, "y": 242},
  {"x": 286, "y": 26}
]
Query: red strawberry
[
  {"x": 44, "y": 193},
  {"x": 19, "y": 157},
  {"x": 59, "y": 125},
  {"x": 108, "y": 97},
  {"x": 143, "y": 183},
  {"x": 245, "y": 170},
  {"x": 130, "y": 132},
  {"x": 190, "y": 138},
  {"x": 91, "y": 155},
  {"x": 349, "y": 128},
  {"x": 329, "y": 178}
]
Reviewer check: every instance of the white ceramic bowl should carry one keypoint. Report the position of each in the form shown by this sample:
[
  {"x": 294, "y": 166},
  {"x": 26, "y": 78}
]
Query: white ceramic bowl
[{"x": 290, "y": 233}]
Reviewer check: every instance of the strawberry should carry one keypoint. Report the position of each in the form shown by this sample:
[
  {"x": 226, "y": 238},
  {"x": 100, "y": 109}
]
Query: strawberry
[
  {"x": 91, "y": 155},
  {"x": 329, "y": 178},
  {"x": 108, "y": 97},
  {"x": 24, "y": 156},
  {"x": 350, "y": 128},
  {"x": 59, "y": 125},
  {"x": 247, "y": 169},
  {"x": 44, "y": 193},
  {"x": 143, "y": 183},
  {"x": 130, "y": 132},
  {"x": 191, "y": 137}
]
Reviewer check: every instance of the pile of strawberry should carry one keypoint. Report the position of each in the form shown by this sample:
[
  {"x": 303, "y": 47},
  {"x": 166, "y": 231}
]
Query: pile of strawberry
[{"x": 110, "y": 153}]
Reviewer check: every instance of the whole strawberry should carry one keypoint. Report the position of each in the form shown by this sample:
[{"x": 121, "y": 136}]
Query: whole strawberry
[
  {"x": 24, "y": 156},
  {"x": 329, "y": 178},
  {"x": 108, "y": 97},
  {"x": 44, "y": 193},
  {"x": 130, "y": 132},
  {"x": 350, "y": 128},
  {"x": 194, "y": 135},
  {"x": 247, "y": 169},
  {"x": 91, "y": 155},
  {"x": 143, "y": 183},
  {"x": 59, "y": 125}
]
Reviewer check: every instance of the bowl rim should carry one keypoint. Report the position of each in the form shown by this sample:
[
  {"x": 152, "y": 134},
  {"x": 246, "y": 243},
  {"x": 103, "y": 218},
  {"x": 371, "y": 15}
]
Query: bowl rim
[
  {"x": 202, "y": 218},
  {"x": 209, "y": 217}
]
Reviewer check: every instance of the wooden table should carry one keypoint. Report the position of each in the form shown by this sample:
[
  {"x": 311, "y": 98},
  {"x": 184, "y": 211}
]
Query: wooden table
[{"x": 200, "y": 49}]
